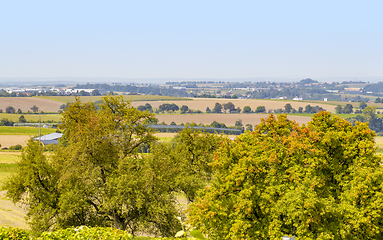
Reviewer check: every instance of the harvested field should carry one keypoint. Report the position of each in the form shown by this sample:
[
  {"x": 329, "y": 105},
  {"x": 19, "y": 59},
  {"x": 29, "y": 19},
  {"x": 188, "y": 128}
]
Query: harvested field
[
  {"x": 25, "y": 103},
  {"x": 65, "y": 99},
  {"x": 11, "y": 215},
  {"x": 227, "y": 119},
  {"x": 203, "y": 103},
  {"x": 12, "y": 140}
]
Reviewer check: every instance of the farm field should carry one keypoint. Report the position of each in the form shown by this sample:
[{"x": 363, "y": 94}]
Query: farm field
[
  {"x": 227, "y": 119},
  {"x": 31, "y": 117},
  {"x": 25, "y": 103},
  {"x": 11, "y": 136},
  {"x": 11, "y": 215},
  {"x": 133, "y": 98}
]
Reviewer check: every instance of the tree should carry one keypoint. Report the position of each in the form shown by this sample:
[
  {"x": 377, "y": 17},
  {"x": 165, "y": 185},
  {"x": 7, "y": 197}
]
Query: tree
[
  {"x": 348, "y": 108},
  {"x": 95, "y": 176},
  {"x": 22, "y": 119},
  {"x": 308, "y": 108},
  {"x": 208, "y": 110},
  {"x": 246, "y": 109},
  {"x": 229, "y": 106},
  {"x": 95, "y": 92},
  {"x": 300, "y": 109},
  {"x": 217, "y": 108},
  {"x": 339, "y": 109},
  {"x": 249, "y": 127},
  {"x": 148, "y": 107},
  {"x": 238, "y": 123},
  {"x": 378, "y": 100},
  {"x": 10, "y": 109},
  {"x": 34, "y": 109},
  {"x": 315, "y": 181},
  {"x": 194, "y": 151},
  {"x": 19, "y": 111},
  {"x": 184, "y": 109},
  {"x": 362, "y": 105},
  {"x": 288, "y": 108},
  {"x": 260, "y": 109}
]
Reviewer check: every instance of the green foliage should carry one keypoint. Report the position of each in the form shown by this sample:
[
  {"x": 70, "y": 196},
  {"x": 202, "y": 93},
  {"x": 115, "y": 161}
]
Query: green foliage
[
  {"x": 217, "y": 108},
  {"x": 22, "y": 119},
  {"x": 184, "y": 109},
  {"x": 6, "y": 122},
  {"x": 246, "y": 109},
  {"x": 193, "y": 151},
  {"x": 16, "y": 147},
  {"x": 13, "y": 233},
  {"x": 35, "y": 109},
  {"x": 10, "y": 109},
  {"x": 362, "y": 105},
  {"x": 86, "y": 233},
  {"x": 322, "y": 180},
  {"x": 229, "y": 106},
  {"x": 260, "y": 109},
  {"x": 288, "y": 108}
]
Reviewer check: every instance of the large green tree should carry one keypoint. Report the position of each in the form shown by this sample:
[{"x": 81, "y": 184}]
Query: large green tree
[
  {"x": 322, "y": 180},
  {"x": 95, "y": 176}
]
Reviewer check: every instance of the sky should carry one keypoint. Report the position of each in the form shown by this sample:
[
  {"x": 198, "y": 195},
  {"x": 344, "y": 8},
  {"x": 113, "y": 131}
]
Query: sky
[{"x": 191, "y": 39}]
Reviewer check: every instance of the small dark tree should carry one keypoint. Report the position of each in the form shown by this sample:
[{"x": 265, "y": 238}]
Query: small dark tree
[
  {"x": 19, "y": 111},
  {"x": 95, "y": 92},
  {"x": 184, "y": 109},
  {"x": 10, "y": 109},
  {"x": 362, "y": 105},
  {"x": 35, "y": 109},
  {"x": 217, "y": 108},
  {"x": 288, "y": 108},
  {"x": 246, "y": 109},
  {"x": 260, "y": 109},
  {"x": 229, "y": 106},
  {"x": 22, "y": 119}
]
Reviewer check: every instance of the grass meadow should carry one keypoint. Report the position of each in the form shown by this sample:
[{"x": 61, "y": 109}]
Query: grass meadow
[
  {"x": 30, "y": 131},
  {"x": 31, "y": 117}
]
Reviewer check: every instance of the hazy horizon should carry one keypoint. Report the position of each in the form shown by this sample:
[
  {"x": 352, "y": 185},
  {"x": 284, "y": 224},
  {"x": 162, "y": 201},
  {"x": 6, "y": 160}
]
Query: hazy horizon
[{"x": 153, "y": 41}]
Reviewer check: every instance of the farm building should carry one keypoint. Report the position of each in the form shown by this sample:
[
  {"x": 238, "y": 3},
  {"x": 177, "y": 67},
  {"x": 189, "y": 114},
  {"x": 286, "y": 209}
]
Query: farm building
[{"x": 52, "y": 138}]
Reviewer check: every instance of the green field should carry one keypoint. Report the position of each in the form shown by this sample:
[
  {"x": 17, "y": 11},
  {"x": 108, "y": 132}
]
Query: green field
[
  {"x": 6, "y": 170},
  {"x": 31, "y": 117},
  {"x": 32, "y": 131},
  {"x": 133, "y": 98}
]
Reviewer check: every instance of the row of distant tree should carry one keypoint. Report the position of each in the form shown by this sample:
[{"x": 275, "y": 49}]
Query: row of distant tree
[
  {"x": 11, "y": 109},
  {"x": 229, "y": 108}
]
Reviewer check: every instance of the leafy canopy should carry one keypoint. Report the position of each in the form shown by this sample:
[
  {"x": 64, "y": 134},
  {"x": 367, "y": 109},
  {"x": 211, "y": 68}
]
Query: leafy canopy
[{"x": 322, "y": 180}]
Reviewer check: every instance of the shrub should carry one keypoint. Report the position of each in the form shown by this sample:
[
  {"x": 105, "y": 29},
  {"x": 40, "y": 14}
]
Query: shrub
[{"x": 16, "y": 147}]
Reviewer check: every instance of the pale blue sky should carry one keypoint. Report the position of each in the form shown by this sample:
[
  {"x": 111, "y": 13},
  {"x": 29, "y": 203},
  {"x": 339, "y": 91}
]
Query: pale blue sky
[{"x": 191, "y": 39}]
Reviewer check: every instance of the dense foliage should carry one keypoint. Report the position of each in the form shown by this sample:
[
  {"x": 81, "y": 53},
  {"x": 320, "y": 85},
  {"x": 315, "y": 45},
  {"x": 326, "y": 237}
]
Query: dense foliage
[{"x": 322, "y": 180}]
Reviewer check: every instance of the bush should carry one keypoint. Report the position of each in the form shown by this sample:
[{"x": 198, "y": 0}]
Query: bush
[
  {"x": 84, "y": 232},
  {"x": 13, "y": 233},
  {"x": 16, "y": 147}
]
